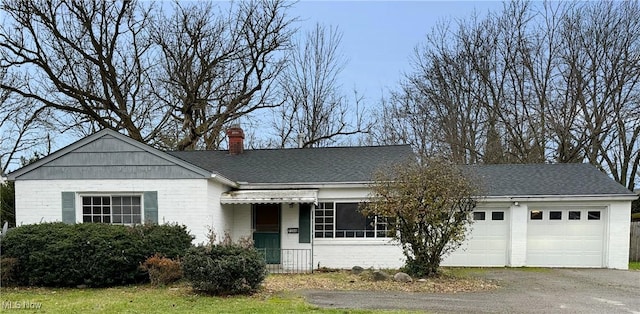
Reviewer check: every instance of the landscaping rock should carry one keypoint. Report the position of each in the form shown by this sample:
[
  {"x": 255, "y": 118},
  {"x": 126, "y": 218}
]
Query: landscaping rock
[
  {"x": 356, "y": 270},
  {"x": 422, "y": 280},
  {"x": 379, "y": 275},
  {"x": 402, "y": 277}
]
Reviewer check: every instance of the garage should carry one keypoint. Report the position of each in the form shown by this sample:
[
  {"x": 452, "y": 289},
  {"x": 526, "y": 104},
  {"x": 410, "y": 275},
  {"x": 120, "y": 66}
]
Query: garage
[
  {"x": 487, "y": 243},
  {"x": 566, "y": 237}
]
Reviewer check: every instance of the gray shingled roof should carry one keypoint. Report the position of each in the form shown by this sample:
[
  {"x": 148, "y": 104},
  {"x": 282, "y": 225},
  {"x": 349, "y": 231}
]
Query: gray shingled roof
[
  {"x": 546, "y": 179},
  {"x": 357, "y": 164},
  {"x": 309, "y": 165}
]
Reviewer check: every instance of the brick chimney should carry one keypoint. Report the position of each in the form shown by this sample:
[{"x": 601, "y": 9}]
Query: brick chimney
[{"x": 236, "y": 139}]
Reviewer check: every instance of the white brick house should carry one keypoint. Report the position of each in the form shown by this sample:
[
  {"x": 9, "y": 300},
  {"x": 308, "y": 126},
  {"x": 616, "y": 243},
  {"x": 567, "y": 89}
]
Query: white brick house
[{"x": 305, "y": 200}]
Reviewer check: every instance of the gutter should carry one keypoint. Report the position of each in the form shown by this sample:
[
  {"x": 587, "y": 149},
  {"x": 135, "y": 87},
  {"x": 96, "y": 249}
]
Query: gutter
[
  {"x": 547, "y": 198},
  {"x": 218, "y": 177},
  {"x": 300, "y": 185}
]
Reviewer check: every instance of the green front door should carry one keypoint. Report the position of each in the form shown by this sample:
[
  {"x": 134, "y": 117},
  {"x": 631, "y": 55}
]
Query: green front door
[{"x": 266, "y": 235}]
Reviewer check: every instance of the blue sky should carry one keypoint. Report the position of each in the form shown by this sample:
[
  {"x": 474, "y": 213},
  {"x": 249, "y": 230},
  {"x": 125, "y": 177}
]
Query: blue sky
[{"x": 379, "y": 36}]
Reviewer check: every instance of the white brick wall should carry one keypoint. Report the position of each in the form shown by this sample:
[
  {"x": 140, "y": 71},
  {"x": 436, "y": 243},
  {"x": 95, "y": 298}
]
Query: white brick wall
[
  {"x": 241, "y": 221},
  {"x": 196, "y": 204},
  {"x": 222, "y": 217},
  {"x": 346, "y": 253},
  {"x": 182, "y": 201}
]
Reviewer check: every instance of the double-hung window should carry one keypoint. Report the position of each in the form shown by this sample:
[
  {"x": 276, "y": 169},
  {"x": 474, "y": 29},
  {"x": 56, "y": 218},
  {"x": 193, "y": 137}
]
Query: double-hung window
[
  {"x": 344, "y": 220},
  {"x": 114, "y": 209}
]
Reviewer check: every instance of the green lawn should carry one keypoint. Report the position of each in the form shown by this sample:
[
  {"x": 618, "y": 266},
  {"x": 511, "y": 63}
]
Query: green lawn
[
  {"x": 148, "y": 299},
  {"x": 634, "y": 265}
]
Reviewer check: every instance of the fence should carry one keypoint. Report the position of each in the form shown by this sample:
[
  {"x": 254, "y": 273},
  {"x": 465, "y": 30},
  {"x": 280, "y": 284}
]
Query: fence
[
  {"x": 287, "y": 261},
  {"x": 634, "y": 248}
]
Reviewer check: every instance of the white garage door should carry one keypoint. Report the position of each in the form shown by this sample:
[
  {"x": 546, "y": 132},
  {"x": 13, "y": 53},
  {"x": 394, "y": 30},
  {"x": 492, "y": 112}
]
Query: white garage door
[
  {"x": 487, "y": 243},
  {"x": 565, "y": 237}
]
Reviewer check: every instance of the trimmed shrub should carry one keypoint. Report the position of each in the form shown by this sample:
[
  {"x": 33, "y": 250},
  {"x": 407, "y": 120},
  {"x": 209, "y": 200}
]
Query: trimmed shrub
[
  {"x": 169, "y": 240},
  {"x": 224, "y": 269},
  {"x": 95, "y": 255},
  {"x": 162, "y": 270},
  {"x": 7, "y": 269}
]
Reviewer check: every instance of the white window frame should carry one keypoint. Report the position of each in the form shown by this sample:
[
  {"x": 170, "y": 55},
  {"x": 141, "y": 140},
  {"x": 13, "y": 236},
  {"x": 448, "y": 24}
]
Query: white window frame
[
  {"x": 111, "y": 195},
  {"x": 375, "y": 231}
]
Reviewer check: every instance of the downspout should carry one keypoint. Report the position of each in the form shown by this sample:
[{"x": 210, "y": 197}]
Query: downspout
[{"x": 313, "y": 231}]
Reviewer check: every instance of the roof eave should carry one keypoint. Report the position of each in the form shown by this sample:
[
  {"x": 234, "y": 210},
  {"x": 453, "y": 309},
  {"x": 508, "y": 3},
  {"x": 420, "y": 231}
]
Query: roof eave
[
  {"x": 224, "y": 180},
  {"x": 302, "y": 185},
  {"x": 551, "y": 198}
]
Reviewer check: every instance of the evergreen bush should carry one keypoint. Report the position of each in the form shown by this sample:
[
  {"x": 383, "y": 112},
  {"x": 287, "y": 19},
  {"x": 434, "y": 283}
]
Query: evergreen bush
[
  {"x": 94, "y": 255},
  {"x": 224, "y": 269}
]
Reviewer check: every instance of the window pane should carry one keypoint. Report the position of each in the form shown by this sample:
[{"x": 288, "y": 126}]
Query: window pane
[
  {"x": 109, "y": 209},
  {"x": 555, "y": 215},
  {"x": 349, "y": 218},
  {"x": 478, "y": 215},
  {"x": 593, "y": 215},
  {"x": 574, "y": 215},
  {"x": 497, "y": 216},
  {"x": 536, "y": 215},
  {"x": 323, "y": 221}
]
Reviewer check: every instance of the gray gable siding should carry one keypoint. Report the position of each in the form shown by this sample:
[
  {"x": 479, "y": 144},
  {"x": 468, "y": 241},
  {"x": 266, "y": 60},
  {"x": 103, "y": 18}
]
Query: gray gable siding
[{"x": 109, "y": 157}]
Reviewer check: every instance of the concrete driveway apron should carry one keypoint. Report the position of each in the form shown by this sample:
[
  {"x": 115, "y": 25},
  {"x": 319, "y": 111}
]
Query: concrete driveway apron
[{"x": 520, "y": 291}]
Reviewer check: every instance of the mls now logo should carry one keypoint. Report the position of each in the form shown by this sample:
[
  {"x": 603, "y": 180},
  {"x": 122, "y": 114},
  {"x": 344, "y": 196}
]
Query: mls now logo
[{"x": 18, "y": 305}]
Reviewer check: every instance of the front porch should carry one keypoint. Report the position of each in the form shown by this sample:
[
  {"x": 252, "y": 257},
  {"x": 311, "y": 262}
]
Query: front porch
[
  {"x": 290, "y": 261},
  {"x": 278, "y": 222}
]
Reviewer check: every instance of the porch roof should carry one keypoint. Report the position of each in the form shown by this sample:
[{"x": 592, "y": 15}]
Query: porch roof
[{"x": 269, "y": 196}]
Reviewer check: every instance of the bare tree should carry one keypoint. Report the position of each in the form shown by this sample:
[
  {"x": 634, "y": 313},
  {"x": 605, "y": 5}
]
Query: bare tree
[
  {"x": 21, "y": 126},
  {"x": 218, "y": 65},
  {"x": 170, "y": 80},
  {"x": 602, "y": 74},
  {"x": 535, "y": 82},
  {"x": 315, "y": 111},
  {"x": 83, "y": 58}
]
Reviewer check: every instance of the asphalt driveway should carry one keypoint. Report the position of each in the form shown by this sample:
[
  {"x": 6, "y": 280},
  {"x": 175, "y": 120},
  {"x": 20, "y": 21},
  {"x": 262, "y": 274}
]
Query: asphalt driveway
[{"x": 521, "y": 291}]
